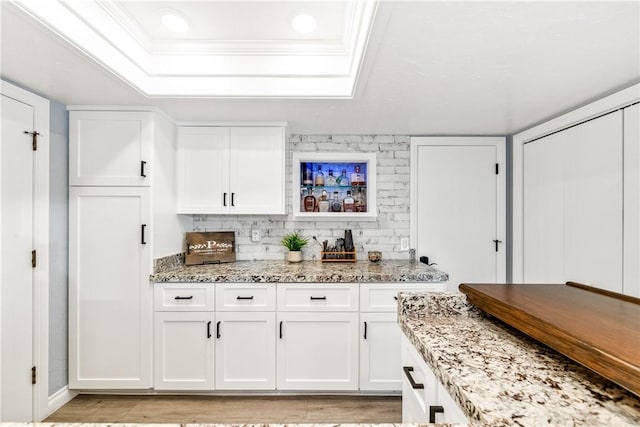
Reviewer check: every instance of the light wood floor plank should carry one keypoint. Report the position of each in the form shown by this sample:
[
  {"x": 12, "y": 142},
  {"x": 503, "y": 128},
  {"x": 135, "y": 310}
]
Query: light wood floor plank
[{"x": 230, "y": 409}]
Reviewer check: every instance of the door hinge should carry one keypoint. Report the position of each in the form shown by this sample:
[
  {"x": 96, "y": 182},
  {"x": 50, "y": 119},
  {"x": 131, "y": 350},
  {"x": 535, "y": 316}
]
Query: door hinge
[
  {"x": 34, "y": 141},
  {"x": 34, "y": 374},
  {"x": 33, "y": 258},
  {"x": 497, "y": 168}
]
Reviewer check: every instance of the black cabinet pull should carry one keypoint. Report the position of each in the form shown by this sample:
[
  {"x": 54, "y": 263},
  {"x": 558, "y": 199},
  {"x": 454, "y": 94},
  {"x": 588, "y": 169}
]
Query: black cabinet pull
[
  {"x": 318, "y": 298},
  {"x": 414, "y": 385},
  {"x": 395, "y": 298},
  {"x": 209, "y": 329},
  {"x": 239, "y": 297},
  {"x": 365, "y": 330},
  {"x": 280, "y": 329},
  {"x": 433, "y": 410},
  {"x": 179, "y": 297},
  {"x": 233, "y": 196},
  {"x": 497, "y": 242},
  {"x": 224, "y": 199},
  {"x": 218, "y": 330},
  {"x": 142, "y": 164},
  {"x": 142, "y": 239}
]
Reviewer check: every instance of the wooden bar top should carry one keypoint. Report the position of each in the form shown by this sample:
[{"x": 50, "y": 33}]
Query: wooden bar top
[{"x": 598, "y": 329}]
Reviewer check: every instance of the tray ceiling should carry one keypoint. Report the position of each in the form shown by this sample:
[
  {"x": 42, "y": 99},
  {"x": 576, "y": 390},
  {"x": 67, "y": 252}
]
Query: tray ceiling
[{"x": 231, "y": 49}]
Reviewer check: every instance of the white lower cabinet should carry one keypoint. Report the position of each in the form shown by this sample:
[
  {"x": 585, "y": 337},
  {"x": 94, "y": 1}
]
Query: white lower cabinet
[
  {"x": 245, "y": 351},
  {"x": 380, "y": 352},
  {"x": 317, "y": 351},
  {"x": 424, "y": 398},
  {"x": 184, "y": 346}
]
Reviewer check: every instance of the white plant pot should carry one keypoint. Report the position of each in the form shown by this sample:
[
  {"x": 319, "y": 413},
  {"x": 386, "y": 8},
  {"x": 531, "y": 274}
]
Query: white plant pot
[{"x": 294, "y": 256}]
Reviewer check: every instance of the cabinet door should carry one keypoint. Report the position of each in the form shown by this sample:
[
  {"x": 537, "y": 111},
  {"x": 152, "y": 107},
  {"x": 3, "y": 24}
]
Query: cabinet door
[
  {"x": 203, "y": 170},
  {"x": 257, "y": 180},
  {"x": 110, "y": 297},
  {"x": 245, "y": 351},
  {"x": 380, "y": 352},
  {"x": 451, "y": 411},
  {"x": 183, "y": 351},
  {"x": 317, "y": 351},
  {"x": 110, "y": 148}
]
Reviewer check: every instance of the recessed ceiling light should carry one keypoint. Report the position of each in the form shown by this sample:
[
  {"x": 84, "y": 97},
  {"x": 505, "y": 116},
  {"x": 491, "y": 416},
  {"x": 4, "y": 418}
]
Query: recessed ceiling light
[
  {"x": 304, "y": 24},
  {"x": 174, "y": 22}
]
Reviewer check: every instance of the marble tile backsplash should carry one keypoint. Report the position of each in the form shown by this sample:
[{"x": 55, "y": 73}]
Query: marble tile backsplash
[{"x": 384, "y": 234}]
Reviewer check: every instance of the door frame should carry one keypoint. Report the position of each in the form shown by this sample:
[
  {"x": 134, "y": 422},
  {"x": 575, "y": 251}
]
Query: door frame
[
  {"x": 501, "y": 188},
  {"x": 41, "y": 245},
  {"x": 610, "y": 103}
]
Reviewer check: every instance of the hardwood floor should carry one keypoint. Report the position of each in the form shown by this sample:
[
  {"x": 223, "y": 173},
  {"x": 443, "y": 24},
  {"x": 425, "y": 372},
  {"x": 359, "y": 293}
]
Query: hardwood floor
[{"x": 229, "y": 409}]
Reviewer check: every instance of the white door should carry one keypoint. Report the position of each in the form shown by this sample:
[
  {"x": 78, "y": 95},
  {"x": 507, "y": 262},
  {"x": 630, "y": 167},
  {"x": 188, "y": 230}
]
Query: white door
[
  {"x": 458, "y": 207},
  {"x": 257, "y": 177},
  {"x": 17, "y": 270},
  {"x": 203, "y": 170},
  {"x": 631, "y": 251},
  {"x": 184, "y": 343},
  {"x": 110, "y": 148},
  {"x": 317, "y": 351},
  {"x": 245, "y": 351},
  {"x": 380, "y": 352},
  {"x": 110, "y": 312}
]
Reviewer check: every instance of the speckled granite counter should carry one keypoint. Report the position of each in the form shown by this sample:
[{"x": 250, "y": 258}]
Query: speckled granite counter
[
  {"x": 500, "y": 376},
  {"x": 307, "y": 271}
]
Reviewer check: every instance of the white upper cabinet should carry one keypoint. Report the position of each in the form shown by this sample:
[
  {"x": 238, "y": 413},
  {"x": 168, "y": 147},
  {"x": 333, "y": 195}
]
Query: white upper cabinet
[
  {"x": 110, "y": 148},
  {"x": 231, "y": 170}
]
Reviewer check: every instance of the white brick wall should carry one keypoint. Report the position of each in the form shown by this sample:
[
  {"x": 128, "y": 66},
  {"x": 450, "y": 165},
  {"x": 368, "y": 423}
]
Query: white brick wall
[{"x": 384, "y": 234}]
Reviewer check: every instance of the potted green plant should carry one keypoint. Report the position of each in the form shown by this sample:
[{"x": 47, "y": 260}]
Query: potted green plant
[{"x": 294, "y": 241}]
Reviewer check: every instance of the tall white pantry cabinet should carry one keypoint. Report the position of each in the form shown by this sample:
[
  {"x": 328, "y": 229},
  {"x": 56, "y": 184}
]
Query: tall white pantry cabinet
[{"x": 118, "y": 162}]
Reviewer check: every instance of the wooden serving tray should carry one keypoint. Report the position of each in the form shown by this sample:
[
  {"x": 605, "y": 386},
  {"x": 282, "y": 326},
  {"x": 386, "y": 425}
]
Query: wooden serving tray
[{"x": 598, "y": 329}]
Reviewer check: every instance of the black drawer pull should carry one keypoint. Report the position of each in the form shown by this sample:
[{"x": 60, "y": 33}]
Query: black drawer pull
[
  {"x": 318, "y": 298},
  {"x": 239, "y": 297},
  {"x": 414, "y": 385},
  {"x": 209, "y": 329},
  {"x": 233, "y": 196},
  {"x": 142, "y": 164},
  {"x": 280, "y": 329},
  {"x": 189, "y": 297},
  {"x": 224, "y": 199},
  {"x": 365, "y": 330},
  {"x": 395, "y": 298},
  {"x": 218, "y": 330},
  {"x": 143, "y": 241},
  {"x": 433, "y": 410}
]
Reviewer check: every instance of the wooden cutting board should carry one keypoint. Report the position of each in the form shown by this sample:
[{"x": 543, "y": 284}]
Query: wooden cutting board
[{"x": 596, "y": 328}]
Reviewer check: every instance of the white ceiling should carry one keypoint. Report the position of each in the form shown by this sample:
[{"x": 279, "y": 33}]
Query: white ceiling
[{"x": 437, "y": 67}]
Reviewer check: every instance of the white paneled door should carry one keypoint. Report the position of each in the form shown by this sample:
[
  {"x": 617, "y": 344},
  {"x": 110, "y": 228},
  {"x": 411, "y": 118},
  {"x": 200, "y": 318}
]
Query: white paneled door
[
  {"x": 17, "y": 271},
  {"x": 458, "y": 206}
]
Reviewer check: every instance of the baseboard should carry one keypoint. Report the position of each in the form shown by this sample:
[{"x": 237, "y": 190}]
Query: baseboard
[{"x": 60, "y": 398}]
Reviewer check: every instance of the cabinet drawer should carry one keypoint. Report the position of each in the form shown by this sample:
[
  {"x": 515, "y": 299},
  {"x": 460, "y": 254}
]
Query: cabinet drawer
[
  {"x": 246, "y": 297},
  {"x": 317, "y": 297},
  {"x": 383, "y": 296},
  {"x": 184, "y": 297}
]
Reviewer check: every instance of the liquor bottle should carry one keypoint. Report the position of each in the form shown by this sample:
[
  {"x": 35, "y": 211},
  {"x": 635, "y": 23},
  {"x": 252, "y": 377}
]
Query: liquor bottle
[
  {"x": 336, "y": 206},
  {"x": 307, "y": 176},
  {"x": 319, "y": 180},
  {"x": 331, "y": 180},
  {"x": 357, "y": 178},
  {"x": 348, "y": 202},
  {"x": 303, "y": 195},
  {"x": 323, "y": 203},
  {"x": 310, "y": 202},
  {"x": 359, "y": 201},
  {"x": 343, "y": 180}
]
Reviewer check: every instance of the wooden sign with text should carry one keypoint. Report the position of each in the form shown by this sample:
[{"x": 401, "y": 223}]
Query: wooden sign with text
[{"x": 210, "y": 247}]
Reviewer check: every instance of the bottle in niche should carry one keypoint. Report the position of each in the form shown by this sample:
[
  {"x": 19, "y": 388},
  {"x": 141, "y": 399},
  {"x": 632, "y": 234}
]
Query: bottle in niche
[
  {"x": 323, "y": 203},
  {"x": 357, "y": 177},
  {"x": 348, "y": 203},
  {"x": 319, "y": 179},
  {"x": 310, "y": 202},
  {"x": 359, "y": 201},
  {"x": 331, "y": 180},
  {"x": 336, "y": 206},
  {"x": 303, "y": 195},
  {"x": 307, "y": 176},
  {"x": 343, "y": 180}
]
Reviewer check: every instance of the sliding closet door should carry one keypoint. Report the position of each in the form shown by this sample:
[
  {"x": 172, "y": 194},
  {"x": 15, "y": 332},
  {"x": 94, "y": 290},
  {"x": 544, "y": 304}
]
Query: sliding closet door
[{"x": 573, "y": 205}]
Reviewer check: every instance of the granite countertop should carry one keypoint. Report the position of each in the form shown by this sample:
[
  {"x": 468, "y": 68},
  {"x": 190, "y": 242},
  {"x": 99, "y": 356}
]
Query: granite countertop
[
  {"x": 306, "y": 271},
  {"x": 501, "y": 377}
]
